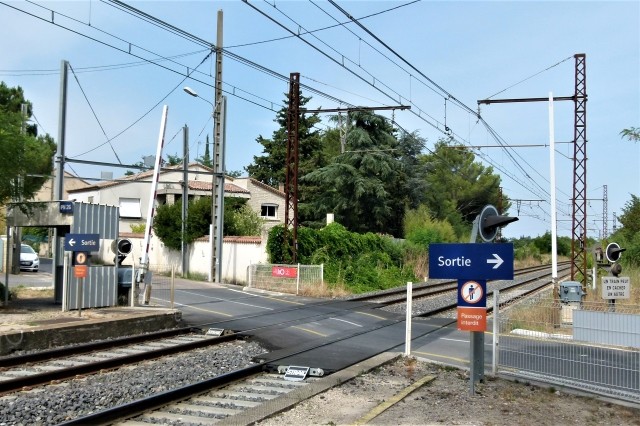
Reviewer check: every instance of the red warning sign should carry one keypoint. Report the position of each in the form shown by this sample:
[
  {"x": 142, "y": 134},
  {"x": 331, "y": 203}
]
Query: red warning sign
[
  {"x": 472, "y": 319},
  {"x": 284, "y": 271},
  {"x": 80, "y": 271}
]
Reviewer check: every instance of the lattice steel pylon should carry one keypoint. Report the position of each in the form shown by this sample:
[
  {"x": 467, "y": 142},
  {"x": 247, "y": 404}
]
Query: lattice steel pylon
[
  {"x": 291, "y": 165},
  {"x": 579, "y": 216}
]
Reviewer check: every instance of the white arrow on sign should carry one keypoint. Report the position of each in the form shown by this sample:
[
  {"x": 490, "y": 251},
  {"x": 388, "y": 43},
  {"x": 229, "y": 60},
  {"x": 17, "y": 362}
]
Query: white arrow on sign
[
  {"x": 498, "y": 261},
  {"x": 72, "y": 242}
]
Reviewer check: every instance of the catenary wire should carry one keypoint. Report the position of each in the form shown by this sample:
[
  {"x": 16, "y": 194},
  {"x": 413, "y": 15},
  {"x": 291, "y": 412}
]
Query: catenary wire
[
  {"x": 433, "y": 125},
  {"x": 93, "y": 111}
]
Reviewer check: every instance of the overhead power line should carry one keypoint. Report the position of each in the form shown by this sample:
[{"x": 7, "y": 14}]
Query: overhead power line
[
  {"x": 94, "y": 113},
  {"x": 437, "y": 123},
  {"x": 161, "y": 24}
]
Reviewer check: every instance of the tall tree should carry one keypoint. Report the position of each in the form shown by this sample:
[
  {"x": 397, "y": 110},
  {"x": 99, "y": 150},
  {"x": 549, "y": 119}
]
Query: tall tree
[
  {"x": 365, "y": 186},
  {"x": 630, "y": 217},
  {"x": 632, "y": 133},
  {"x": 206, "y": 159},
  {"x": 457, "y": 186},
  {"x": 25, "y": 158}
]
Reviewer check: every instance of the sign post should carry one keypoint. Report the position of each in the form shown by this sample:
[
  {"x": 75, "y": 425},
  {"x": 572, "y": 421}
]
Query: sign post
[
  {"x": 81, "y": 245},
  {"x": 472, "y": 264}
]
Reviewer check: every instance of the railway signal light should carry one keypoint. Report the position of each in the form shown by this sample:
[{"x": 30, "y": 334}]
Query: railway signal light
[
  {"x": 613, "y": 252},
  {"x": 121, "y": 248},
  {"x": 488, "y": 222}
]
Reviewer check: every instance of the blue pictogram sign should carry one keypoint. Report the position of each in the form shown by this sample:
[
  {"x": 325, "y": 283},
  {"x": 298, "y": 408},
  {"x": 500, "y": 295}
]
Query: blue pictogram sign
[{"x": 472, "y": 293}]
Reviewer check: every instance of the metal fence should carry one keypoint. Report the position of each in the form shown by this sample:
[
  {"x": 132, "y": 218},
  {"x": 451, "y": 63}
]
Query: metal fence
[
  {"x": 307, "y": 280},
  {"x": 588, "y": 346}
]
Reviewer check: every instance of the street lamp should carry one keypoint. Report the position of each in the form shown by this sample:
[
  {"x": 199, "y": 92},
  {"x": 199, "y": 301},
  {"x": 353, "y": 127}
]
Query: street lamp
[
  {"x": 193, "y": 93},
  {"x": 217, "y": 193}
]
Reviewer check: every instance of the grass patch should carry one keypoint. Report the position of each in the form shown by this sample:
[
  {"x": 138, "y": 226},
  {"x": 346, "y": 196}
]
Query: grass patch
[{"x": 22, "y": 292}]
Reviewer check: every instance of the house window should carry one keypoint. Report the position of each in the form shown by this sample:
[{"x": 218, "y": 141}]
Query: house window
[
  {"x": 269, "y": 211},
  {"x": 90, "y": 199},
  {"x": 130, "y": 207}
]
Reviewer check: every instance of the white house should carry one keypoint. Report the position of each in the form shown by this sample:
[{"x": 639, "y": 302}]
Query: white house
[{"x": 131, "y": 194}]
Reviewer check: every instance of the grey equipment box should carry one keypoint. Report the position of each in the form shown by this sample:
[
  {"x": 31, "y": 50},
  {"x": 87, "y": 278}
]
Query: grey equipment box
[{"x": 571, "y": 291}]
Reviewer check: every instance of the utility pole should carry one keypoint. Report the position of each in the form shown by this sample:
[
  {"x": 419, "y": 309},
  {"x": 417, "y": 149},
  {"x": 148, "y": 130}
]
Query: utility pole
[
  {"x": 185, "y": 199},
  {"x": 291, "y": 169},
  {"x": 58, "y": 190},
  {"x": 217, "y": 196},
  {"x": 579, "y": 214}
]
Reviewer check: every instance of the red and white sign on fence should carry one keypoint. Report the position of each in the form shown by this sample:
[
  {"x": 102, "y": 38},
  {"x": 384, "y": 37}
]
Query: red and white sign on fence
[{"x": 284, "y": 271}]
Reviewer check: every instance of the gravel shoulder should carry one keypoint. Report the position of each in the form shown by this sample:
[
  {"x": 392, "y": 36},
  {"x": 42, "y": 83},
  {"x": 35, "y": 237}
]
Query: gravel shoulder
[{"x": 446, "y": 400}]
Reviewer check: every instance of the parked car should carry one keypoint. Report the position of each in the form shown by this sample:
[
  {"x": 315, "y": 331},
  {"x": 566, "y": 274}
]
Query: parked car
[{"x": 29, "y": 260}]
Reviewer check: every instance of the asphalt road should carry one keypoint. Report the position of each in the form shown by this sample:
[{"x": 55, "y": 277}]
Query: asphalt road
[{"x": 42, "y": 278}]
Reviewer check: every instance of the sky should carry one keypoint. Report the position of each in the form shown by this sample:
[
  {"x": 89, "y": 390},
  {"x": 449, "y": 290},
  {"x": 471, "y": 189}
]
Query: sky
[{"x": 439, "y": 57}]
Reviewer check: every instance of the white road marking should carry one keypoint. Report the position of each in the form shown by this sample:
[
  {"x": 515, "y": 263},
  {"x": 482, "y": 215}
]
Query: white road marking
[
  {"x": 348, "y": 322},
  {"x": 225, "y": 300}
]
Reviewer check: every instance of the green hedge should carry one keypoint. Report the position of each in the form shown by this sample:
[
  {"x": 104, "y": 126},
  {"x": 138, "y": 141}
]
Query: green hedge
[{"x": 362, "y": 262}]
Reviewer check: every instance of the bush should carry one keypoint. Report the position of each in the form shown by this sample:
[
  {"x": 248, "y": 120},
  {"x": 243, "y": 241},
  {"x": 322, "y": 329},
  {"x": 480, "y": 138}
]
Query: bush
[
  {"x": 360, "y": 262},
  {"x": 420, "y": 228},
  {"x": 528, "y": 251}
]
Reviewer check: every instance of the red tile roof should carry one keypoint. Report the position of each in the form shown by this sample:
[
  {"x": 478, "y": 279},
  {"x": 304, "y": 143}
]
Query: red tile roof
[
  {"x": 137, "y": 177},
  {"x": 206, "y": 186}
]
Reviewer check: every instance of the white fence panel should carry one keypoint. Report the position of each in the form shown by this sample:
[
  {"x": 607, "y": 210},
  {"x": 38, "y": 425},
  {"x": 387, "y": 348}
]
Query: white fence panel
[{"x": 295, "y": 279}]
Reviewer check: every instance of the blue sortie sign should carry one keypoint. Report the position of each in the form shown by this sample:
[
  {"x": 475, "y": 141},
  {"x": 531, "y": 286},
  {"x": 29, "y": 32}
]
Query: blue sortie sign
[
  {"x": 82, "y": 242},
  {"x": 471, "y": 261}
]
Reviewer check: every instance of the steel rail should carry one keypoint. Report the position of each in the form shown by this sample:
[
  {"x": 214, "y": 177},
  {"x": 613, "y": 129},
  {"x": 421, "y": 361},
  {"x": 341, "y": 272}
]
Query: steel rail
[
  {"x": 94, "y": 367},
  {"x": 12, "y": 361},
  {"x": 135, "y": 408},
  {"x": 427, "y": 290}
]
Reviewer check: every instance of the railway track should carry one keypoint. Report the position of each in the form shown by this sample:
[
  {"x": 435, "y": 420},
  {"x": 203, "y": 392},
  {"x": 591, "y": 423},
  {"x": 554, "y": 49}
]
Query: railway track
[
  {"x": 18, "y": 372},
  {"x": 425, "y": 290},
  {"x": 206, "y": 402},
  {"x": 223, "y": 398}
]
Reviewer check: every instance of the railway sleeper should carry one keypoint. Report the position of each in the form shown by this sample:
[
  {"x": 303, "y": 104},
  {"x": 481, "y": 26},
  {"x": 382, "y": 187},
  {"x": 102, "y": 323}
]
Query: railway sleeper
[{"x": 223, "y": 403}]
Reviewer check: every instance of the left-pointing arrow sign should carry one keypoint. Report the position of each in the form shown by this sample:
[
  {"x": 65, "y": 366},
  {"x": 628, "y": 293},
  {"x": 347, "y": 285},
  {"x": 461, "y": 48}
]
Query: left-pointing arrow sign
[
  {"x": 82, "y": 242},
  {"x": 497, "y": 261}
]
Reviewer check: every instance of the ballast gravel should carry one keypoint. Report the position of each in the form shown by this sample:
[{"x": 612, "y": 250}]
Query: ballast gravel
[{"x": 54, "y": 404}]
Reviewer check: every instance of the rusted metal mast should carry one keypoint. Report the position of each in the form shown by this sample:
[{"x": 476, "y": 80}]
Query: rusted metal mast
[
  {"x": 579, "y": 216},
  {"x": 291, "y": 165}
]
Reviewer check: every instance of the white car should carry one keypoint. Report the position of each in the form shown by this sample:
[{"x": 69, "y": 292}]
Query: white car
[{"x": 29, "y": 260}]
